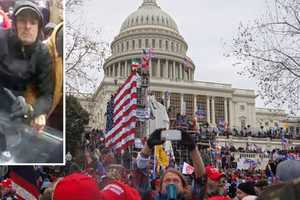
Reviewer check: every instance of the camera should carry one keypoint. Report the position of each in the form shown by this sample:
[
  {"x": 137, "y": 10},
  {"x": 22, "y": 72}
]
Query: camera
[{"x": 172, "y": 135}]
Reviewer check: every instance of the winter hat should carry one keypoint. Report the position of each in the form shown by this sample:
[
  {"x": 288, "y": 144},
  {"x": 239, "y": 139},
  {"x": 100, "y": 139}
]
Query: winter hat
[
  {"x": 119, "y": 191},
  {"x": 28, "y": 5},
  {"x": 247, "y": 188},
  {"x": 76, "y": 187},
  {"x": 288, "y": 170}
]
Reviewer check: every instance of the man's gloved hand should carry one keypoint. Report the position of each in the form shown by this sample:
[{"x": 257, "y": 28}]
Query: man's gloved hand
[
  {"x": 155, "y": 138},
  {"x": 20, "y": 108},
  {"x": 188, "y": 141}
]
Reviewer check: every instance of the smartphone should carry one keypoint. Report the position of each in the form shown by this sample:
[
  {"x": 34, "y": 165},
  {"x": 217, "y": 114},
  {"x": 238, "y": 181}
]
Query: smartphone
[{"x": 173, "y": 135}]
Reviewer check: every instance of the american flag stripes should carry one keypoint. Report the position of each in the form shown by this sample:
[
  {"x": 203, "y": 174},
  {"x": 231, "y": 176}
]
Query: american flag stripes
[{"x": 122, "y": 133}]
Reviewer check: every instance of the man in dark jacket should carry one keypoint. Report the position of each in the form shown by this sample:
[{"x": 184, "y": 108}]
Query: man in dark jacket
[{"x": 24, "y": 61}]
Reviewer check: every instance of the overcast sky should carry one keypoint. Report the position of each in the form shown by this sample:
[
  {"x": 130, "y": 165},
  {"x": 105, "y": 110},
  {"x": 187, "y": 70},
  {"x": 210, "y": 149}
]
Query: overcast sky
[{"x": 205, "y": 25}]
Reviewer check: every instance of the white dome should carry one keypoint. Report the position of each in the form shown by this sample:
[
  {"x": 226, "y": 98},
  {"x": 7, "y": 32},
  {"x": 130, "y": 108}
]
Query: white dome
[{"x": 149, "y": 13}]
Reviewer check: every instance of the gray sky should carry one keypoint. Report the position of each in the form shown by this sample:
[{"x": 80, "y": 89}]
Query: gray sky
[{"x": 204, "y": 24}]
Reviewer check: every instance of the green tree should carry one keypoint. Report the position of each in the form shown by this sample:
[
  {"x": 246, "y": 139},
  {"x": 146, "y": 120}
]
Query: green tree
[{"x": 76, "y": 119}]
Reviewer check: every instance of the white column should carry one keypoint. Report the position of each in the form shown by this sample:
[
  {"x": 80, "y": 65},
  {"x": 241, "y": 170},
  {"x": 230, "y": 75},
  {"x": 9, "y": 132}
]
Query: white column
[
  {"x": 129, "y": 68},
  {"x": 207, "y": 109},
  {"x": 184, "y": 74},
  {"x": 174, "y": 74},
  {"x": 180, "y": 71},
  {"x": 125, "y": 69},
  {"x": 182, "y": 109},
  {"x": 119, "y": 69},
  {"x": 225, "y": 110},
  {"x": 158, "y": 68},
  {"x": 195, "y": 104},
  {"x": 113, "y": 71},
  {"x": 231, "y": 114},
  {"x": 253, "y": 115},
  {"x": 213, "y": 110},
  {"x": 167, "y": 68}
]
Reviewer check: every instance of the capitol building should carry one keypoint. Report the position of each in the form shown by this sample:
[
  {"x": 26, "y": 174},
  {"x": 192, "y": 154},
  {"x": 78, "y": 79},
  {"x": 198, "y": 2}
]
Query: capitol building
[{"x": 150, "y": 27}]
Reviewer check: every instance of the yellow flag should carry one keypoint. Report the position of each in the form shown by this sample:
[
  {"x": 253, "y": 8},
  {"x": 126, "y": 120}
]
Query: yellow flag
[
  {"x": 285, "y": 125},
  {"x": 161, "y": 156}
]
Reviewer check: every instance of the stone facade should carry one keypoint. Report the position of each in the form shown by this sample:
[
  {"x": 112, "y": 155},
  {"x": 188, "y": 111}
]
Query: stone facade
[{"x": 171, "y": 70}]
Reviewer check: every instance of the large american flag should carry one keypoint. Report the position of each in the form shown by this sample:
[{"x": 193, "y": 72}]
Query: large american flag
[{"x": 123, "y": 110}]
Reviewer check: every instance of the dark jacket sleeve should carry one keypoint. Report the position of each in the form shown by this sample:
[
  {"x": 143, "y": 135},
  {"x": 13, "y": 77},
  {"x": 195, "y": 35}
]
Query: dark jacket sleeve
[{"x": 44, "y": 81}]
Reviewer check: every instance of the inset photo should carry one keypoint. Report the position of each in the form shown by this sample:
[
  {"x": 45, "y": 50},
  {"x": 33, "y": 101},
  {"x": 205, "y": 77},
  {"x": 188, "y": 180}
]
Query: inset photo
[{"x": 31, "y": 82}]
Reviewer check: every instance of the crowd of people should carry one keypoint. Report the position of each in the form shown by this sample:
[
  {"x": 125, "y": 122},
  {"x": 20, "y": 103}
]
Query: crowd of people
[
  {"x": 272, "y": 133},
  {"x": 101, "y": 174}
]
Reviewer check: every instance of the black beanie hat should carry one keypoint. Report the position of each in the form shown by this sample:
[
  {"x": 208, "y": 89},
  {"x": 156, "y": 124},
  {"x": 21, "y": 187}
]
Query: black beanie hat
[
  {"x": 28, "y": 5},
  {"x": 247, "y": 188}
]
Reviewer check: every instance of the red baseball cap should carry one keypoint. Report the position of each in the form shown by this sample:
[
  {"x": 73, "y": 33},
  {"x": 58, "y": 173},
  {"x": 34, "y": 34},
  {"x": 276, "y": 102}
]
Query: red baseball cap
[
  {"x": 219, "y": 198},
  {"x": 213, "y": 173},
  {"x": 119, "y": 191},
  {"x": 76, "y": 187}
]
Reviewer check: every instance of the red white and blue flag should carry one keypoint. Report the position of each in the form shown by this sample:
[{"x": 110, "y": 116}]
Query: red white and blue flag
[
  {"x": 25, "y": 182},
  {"x": 122, "y": 132},
  {"x": 147, "y": 55}
]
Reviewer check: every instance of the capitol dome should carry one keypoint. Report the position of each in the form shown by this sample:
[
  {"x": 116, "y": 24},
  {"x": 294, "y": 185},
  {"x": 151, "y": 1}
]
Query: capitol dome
[
  {"x": 149, "y": 13},
  {"x": 150, "y": 27}
]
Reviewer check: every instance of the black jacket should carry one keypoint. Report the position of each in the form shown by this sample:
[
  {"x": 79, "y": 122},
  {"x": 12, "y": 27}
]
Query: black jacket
[{"x": 23, "y": 65}]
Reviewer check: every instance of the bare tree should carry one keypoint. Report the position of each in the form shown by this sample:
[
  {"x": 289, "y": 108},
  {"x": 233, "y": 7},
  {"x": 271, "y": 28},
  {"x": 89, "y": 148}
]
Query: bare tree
[
  {"x": 70, "y": 4},
  {"x": 268, "y": 50},
  {"x": 85, "y": 51}
]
